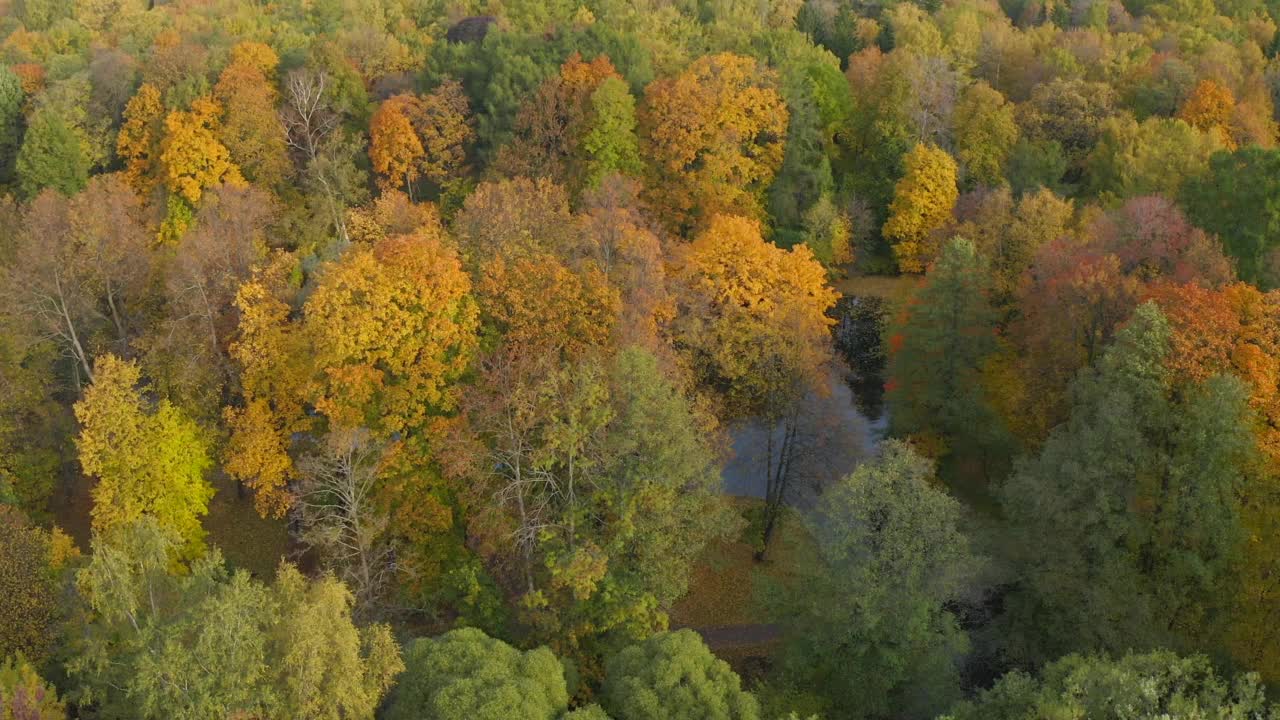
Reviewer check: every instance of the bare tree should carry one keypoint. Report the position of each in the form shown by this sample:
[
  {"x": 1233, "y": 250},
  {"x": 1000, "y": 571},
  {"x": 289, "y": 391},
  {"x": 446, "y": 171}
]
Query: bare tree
[
  {"x": 782, "y": 440},
  {"x": 78, "y": 267},
  {"x": 787, "y": 411},
  {"x": 45, "y": 285},
  {"x": 218, "y": 254},
  {"x": 337, "y": 515},
  {"x": 112, "y": 242},
  {"x": 306, "y": 116},
  {"x": 504, "y": 412},
  {"x": 311, "y": 130},
  {"x": 934, "y": 90}
]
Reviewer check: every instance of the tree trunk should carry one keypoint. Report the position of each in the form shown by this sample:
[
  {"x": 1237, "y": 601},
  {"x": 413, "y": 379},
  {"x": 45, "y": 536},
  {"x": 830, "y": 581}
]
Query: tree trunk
[{"x": 777, "y": 481}]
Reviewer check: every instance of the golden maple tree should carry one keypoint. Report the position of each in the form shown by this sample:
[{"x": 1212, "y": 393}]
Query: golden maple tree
[
  {"x": 194, "y": 158},
  {"x": 412, "y": 136},
  {"x": 392, "y": 327},
  {"x": 754, "y": 316},
  {"x": 542, "y": 306},
  {"x": 138, "y": 142},
  {"x": 714, "y": 135},
  {"x": 272, "y": 362},
  {"x": 922, "y": 203},
  {"x": 383, "y": 339}
]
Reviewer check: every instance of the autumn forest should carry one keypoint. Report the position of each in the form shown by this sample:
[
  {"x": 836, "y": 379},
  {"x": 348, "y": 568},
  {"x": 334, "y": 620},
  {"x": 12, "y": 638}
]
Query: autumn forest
[{"x": 639, "y": 359}]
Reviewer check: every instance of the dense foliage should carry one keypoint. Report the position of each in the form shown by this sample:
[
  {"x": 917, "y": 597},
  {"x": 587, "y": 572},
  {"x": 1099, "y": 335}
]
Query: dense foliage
[{"x": 385, "y": 358}]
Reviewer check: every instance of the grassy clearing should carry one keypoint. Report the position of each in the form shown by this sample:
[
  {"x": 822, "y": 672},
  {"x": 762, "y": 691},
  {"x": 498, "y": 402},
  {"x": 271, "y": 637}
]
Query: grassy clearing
[{"x": 722, "y": 586}]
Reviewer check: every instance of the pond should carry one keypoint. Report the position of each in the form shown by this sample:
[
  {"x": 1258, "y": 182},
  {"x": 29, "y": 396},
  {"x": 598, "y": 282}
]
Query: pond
[{"x": 840, "y": 428}]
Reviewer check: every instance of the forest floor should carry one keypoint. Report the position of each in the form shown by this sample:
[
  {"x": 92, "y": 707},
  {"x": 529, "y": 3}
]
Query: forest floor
[
  {"x": 725, "y": 603},
  {"x": 246, "y": 540},
  {"x": 889, "y": 287}
]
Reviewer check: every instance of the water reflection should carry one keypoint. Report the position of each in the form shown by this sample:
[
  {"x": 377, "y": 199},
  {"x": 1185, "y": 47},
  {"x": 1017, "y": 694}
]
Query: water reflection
[{"x": 839, "y": 428}]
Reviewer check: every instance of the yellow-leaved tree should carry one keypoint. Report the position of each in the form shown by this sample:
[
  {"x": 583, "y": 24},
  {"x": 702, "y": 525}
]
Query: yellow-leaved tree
[
  {"x": 271, "y": 358},
  {"x": 148, "y": 458},
  {"x": 391, "y": 327},
  {"x": 1210, "y": 107},
  {"x": 138, "y": 143},
  {"x": 922, "y": 203},
  {"x": 193, "y": 156},
  {"x": 753, "y": 326},
  {"x": 753, "y": 316},
  {"x": 388, "y": 330},
  {"x": 250, "y": 128},
  {"x": 714, "y": 135}
]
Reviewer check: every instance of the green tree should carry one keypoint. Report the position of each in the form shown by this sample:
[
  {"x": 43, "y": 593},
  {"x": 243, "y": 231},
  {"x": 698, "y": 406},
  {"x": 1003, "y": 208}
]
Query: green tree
[
  {"x": 157, "y": 640},
  {"x": 1158, "y": 684},
  {"x": 147, "y": 461},
  {"x": 985, "y": 133},
  {"x": 673, "y": 676},
  {"x": 52, "y": 156},
  {"x": 322, "y": 665},
  {"x": 868, "y": 626},
  {"x": 819, "y": 110},
  {"x": 610, "y": 142},
  {"x": 31, "y": 444},
  {"x": 1139, "y": 489},
  {"x": 828, "y": 231},
  {"x": 1032, "y": 165},
  {"x": 11, "y": 98},
  {"x": 1238, "y": 199},
  {"x": 881, "y": 132},
  {"x": 937, "y": 347},
  {"x": 1070, "y": 113},
  {"x": 466, "y": 675},
  {"x": 42, "y": 14},
  {"x": 609, "y": 490},
  {"x": 1155, "y": 156}
]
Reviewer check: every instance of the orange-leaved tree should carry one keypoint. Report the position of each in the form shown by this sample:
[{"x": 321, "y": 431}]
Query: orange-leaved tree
[
  {"x": 413, "y": 136},
  {"x": 138, "y": 143},
  {"x": 1236, "y": 330},
  {"x": 1210, "y": 107}
]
